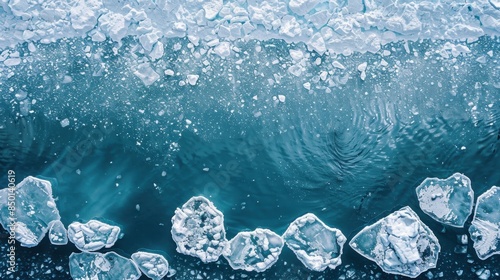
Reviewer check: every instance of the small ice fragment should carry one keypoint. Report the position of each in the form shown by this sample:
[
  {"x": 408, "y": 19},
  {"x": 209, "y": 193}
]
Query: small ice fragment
[
  {"x": 169, "y": 72},
  {"x": 58, "y": 234},
  {"x": 92, "y": 235},
  {"x": 147, "y": 75},
  {"x": 212, "y": 8},
  {"x": 338, "y": 65},
  {"x": 296, "y": 55},
  {"x": 307, "y": 85},
  {"x": 485, "y": 228},
  {"x": 192, "y": 79},
  {"x": 223, "y": 49},
  {"x": 65, "y": 122},
  {"x": 362, "y": 67},
  {"x": 281, "y": 98}
]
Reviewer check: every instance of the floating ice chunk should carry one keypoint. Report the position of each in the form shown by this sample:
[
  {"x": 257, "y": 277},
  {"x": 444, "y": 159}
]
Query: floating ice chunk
[
  {"x": 109, "y": 266},
  {"x": 58, "y": 234},
  {"x": 212, "y": 8},
  {"x": 362, "y": 67},
  {"x": 198, "y": 229},
  {"x": 192, "y": 79},
  {"x": 399, "y": 243},
  {"x": 338, "y": 65},
  {"x": 317, "y": 245},
  {"x": 302, "y": 7},
  {"x": 223, "y": 49},
  {"x": 146, "y": 74},
  {"x": 317, "y": 43},
  {"x": 35, "y": 209},
  {"x": 485, "y": 228},
  {"x": 281, "y": 98},
  {"x": 65, "y": 122},
  {"x": 254, "y": 250},
  {"x": 12, "y": 61},
  {"x": 448, "y": 201},
  {"x": 296, "y": 55},
  {"x": 154, "y": 266},
  {"x": 92, "y": 235}
]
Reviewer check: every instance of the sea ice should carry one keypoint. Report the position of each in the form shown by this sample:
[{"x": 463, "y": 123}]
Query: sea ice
[
  {"x": 448, "y": 201},
  {"x": 198, "y": 229},
  {"x": 254, "y": 250},
  {"x": 399, "y": 243},
  {"x": 35, "y": 209},
  {"x": 109, "y": 266},
  {"x": 92, "y": 235},
  {"x": 317, "y": 245},
  {"x": 58, "y": 234},
  {"x": 485, "y": 228},
  {"x": 147, "y": 75},
  {"x": 154, "y": 266}
]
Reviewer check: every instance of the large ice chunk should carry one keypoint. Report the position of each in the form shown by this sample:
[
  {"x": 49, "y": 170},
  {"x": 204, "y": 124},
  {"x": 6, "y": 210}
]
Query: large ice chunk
[
  {"x": 154, "y": 266},
  {"x": 92, "y": 235},
  {"x": 485, "y": 228},
  {"x": 399, "y": 243},
  {"x": 198, "y": 229},
  {"x": 33, "y": 211},
  {"x": 109, "y": 266},
  {"x": 317, "y": 245},
  {"x": 254, "y": 250},
  {"x": 58, "y": 234},
  {"x": 448, "y": 201}
]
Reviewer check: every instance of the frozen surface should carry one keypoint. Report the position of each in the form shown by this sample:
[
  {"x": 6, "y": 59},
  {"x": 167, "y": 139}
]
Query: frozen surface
[
  {"x": 92, "y": 235},
  {"x": 35, "y": 209},
  {"x": 58, "y": 234},
  {"x": 154, "y": 266},
  {"x": 399, "y": 243},
  {"x": 109, "y": 266},
  {"x": 198, "y": 229},
  {"x": 485, "y": 228},
  {"x": 254, "y": 250},
  {"x": 448, "y": 201},
  {"x": 317, "y": 245}
]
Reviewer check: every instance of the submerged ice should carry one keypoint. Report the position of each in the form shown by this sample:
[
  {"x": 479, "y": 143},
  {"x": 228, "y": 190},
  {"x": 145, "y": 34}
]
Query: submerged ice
[
  {"x": 34, "y": 211},
  {"x": 154, "y": 266},
  {"x": 92, "y": 235},
  {"x": 399, "y": 243},
  {"x": 198, "y": 229},
  {"x": 317, "y": 245},
  {"x": 109, "y": 266},
  {"x": 254, "y": 250},
  {"x": 485, "y": 228},
  {"x": 448, "y": 201}
]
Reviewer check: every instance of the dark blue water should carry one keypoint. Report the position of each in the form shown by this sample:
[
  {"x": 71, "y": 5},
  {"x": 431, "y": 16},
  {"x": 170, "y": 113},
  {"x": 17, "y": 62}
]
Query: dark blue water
[{"x": 351, "y": 155}]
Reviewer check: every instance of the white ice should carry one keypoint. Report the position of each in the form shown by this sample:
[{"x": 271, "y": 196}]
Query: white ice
[
  {"x": 92, "y": 235},
  {"x": 34, "y": 210},
  {"x": 109, "y": 266},
  {"x": 58, "y": 234},
  {"x": 198, "y": 229},
  {"x": 399, "y": 243},
  {"x": 154, "y": 266},
  {"x": 448, "y": 201},
  {"x": 317, "y": 245},
  {"x": 254, "y": 250},
  {"x": 485, "y": 228}
]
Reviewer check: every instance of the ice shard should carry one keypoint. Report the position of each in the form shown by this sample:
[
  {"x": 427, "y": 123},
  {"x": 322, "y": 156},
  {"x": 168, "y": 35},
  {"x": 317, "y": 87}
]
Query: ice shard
[
  {"x": 485, "y": 228},
  {"x": 154, "y": 266},
  {"x": 109, "y": 266},
  {"x": 448, "y": 201},
  {"x": 399, "y": 243},
  {"x": 58, "y": 234},
  {"x": 317, "y": 245},
  {"x": 92, "y": 235}
]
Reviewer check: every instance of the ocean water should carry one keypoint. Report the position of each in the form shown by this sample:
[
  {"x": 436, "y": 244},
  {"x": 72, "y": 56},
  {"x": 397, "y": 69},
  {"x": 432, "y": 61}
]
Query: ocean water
[{"x": 349, "y": 150}]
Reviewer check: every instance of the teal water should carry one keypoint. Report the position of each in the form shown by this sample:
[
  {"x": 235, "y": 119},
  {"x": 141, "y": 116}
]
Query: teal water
[{"x": 351, "y": 156}]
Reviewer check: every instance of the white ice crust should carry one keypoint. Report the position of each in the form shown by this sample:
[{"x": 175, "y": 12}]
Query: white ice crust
[
  {"x": 198, "y": 229},
  {"x": 317, "y": 245},
  {"x": 109, "y": 266},
  {"x": 93, "y": 235},
  {"x": 448, "y": 201},
  {"x": 154, "y": 266},
  {"x": 254, "y": 250},
  {"x": 485, "y": 228},
  {"x": 34, "y": 210},
  {"x": 335, "y": 25},
  {"x": 399, "y": 243},
  {"x": 58, "y": 234}
]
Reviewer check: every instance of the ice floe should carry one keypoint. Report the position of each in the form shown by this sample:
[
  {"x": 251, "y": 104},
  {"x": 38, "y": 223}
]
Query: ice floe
[
  {"x": 254, "y": 250},
  {"x": 92, "y": 235},
  {"x": 58, "y": 234},
  {"x": 34, "y": 210},
  {"x": 317, "y": 245},
  {"x": 485, "y": 228},
  {"x": 448, "y": 201},
  {"x": 399, "y": 243},
  {"x": 154, "y": 266},
  {"x": 109, "y": 266},
  {"x": 198, "y": 229}
]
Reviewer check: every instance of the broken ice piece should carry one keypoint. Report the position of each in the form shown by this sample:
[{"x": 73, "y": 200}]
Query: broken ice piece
[
  {"x": 399, "y": 243},
  {"x": 448, "y": 201},
  {"x": 92, "y": 235},
  {"x": 198, "y": 229},
  {"x": 154, "y": 266},
  {"x": 110, "y": 266},
  {"x": 58, "y": 234},
  {"x": 317, "y": 245},
  {"x": 147, "y": 75},
  {"x": 35, "y": 210},
  {"x": 254, "y": 250},
  {"x": 485, "y": 228}
]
